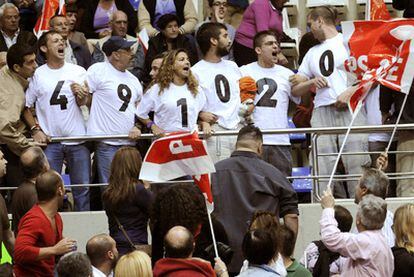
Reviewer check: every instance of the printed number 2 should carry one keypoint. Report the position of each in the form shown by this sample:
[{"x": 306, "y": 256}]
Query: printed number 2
[
  {"x": 266, "y": 100},
  {"x": 184, "y": 112},
  {"x": 59, "y": 100},
  {"x": 222, "y": 80},
  {"x": 124, "y": 93}
]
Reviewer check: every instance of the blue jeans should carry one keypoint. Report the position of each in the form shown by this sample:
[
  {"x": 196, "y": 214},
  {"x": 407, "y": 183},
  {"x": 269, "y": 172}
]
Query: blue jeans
[
  {"x": 78, "y": 160},
  {"x": 104, "y": 154}
]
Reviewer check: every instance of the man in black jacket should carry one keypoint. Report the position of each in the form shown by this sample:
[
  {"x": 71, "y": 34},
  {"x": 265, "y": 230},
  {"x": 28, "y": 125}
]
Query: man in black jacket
[{"x": 404, "y": 5}]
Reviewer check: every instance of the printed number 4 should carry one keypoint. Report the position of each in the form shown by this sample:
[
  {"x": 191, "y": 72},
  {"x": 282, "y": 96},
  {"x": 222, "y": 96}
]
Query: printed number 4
[{"x": 59, "y": 100}]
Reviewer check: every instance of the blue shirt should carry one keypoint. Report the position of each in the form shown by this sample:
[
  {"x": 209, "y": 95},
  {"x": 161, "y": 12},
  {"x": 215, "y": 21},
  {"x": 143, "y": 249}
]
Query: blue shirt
[{"x": 163, "y": 7}]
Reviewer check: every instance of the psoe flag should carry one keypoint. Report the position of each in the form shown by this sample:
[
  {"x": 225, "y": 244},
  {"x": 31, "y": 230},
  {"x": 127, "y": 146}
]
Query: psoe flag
[
  {"x": 378, "y": 10},
  {"x": 174, "y": 156},
  {"x": 49, "y": 9}
]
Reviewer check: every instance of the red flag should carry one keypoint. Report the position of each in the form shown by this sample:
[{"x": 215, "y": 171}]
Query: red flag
[
  {"x": 177, "y": 155},
  {"x": 378, "y": 10},
  {"x": 380, "y": 52},
  {"x": 49, "y": 9}
]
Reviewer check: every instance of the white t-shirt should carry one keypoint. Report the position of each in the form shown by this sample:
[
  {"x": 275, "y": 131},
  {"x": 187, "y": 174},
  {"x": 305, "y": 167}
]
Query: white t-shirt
[
  {"x": 326, "y": 60},
  {"x": 374, "y": 117},
  {"x": 220, "y": 81},
  {"x": 115, "y": 98},
  {"x": 176, "y": 109},
  {"x": 56, "y": 108},
  {"x": 272, "y": 101}
]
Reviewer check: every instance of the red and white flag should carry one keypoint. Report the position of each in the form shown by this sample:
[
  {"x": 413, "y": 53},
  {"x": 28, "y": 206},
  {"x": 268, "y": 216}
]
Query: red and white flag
[
  {"x": 380, "y": 52},
  {"x": 377, "y": 10},
  {"x": 49, "y": 9},
  {"x": 178, "y": 155}
]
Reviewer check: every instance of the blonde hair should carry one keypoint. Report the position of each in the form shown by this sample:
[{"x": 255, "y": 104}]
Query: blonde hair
[
  {"x": 166, "y": 73},
  {"x": 136, "y": 263},
  {"x": 403, "y": 227}
]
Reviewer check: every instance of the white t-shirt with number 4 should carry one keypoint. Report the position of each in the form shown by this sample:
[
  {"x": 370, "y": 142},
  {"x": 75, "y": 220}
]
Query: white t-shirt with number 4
[
  {"x": 56, "y": 109},
  {"x": 115, "y": 98},
  {"x": 327, "y": 60},
  {"x": 175, "y": 109},
  {"x": 272, "y": 99},
  {"x": 220, "y": 81}
]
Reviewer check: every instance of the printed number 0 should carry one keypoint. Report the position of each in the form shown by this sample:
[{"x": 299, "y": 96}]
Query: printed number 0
[
  {"x": 219, "y": 80},
  {"x": 266, "y": 100},
  {"x": 59, "y": 100},
  {"x": 124, "y": 93},
  {"x": 184, "y": 112},
  {"x": 322, "y": 65}
]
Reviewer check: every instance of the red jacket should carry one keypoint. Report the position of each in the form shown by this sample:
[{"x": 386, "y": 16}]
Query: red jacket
[
  {"x": 182, "y": 268},
  {"x": 35, "y": 232}
]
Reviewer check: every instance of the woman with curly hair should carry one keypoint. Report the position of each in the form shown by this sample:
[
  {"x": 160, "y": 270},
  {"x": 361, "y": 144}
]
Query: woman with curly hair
[
  {"x": 175, "y": 98},
  {"x": 404, "y": 241},
  {"x": 184, "y": 205},
  {"x": 126, "y": 201}
]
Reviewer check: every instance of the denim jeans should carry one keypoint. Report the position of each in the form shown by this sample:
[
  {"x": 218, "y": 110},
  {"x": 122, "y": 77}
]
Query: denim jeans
[
  {"x": 104, "y": 154},
  {"x": 78, "y": 160}
]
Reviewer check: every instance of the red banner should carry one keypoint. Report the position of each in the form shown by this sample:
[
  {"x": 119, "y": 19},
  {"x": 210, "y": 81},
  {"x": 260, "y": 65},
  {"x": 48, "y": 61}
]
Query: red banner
[
  {"x": 50, "y": 8},
  {"x": 378, "y": 10}
]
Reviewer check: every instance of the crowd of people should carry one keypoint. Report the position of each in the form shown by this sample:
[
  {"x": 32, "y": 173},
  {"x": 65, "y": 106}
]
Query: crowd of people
[{"x": 91, "y": 75}]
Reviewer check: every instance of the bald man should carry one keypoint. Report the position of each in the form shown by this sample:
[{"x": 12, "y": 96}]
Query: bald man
[{"x": 101, "y": 250}]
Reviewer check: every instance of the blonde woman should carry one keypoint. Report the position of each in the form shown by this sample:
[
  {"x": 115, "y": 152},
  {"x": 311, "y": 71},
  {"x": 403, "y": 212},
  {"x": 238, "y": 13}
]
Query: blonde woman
[
  {"x": 136, "y": 263},
  {"x": 175, "y": 98},
  {"x": 404, "y": 241}
]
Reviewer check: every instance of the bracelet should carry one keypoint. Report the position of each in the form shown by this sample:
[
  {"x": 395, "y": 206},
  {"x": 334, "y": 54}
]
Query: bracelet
[
  {"x": 35, "y": 127},
  {"x": 149, "y": 124}
]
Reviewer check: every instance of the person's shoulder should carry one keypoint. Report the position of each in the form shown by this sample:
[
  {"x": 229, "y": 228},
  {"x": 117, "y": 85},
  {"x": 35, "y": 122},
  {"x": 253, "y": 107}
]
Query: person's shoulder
[
  {"x": 283, "y": 70},
  {"x": 74, "y": 68}
]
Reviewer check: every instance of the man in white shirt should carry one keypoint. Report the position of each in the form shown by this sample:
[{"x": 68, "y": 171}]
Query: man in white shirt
[
  {"x": 56, "y": 94},
  {"x": 116, "y": 93},
  {"x": 219, "y": 79},
  {"x": 103, "y": 254},
  {"x": 272, "y": 100},
  {"x": 322, "y": 67}
]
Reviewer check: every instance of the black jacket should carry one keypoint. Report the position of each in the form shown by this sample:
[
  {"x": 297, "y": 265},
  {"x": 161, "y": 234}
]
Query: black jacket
[
  {"x": 403, "y": 262},
  {"x": 389, "y": 97},
  {"x": 23, "y": 37},
  {"x": 404, "y": 5},
  {"x": 179, "y": 6}
]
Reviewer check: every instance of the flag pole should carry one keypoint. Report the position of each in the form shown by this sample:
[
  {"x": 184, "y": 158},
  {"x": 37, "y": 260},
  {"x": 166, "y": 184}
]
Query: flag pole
[{"x": 213, "y": 237}]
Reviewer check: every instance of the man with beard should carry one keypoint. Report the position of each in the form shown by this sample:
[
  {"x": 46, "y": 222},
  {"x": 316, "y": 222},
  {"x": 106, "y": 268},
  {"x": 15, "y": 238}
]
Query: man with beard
[
  {"x": 40, "y": 237},
  {"x": 220, "y": 81},
  {"x": 101, "y": 250}
]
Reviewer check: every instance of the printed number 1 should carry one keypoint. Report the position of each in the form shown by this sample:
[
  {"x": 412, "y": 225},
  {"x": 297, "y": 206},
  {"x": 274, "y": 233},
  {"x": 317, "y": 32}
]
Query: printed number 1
[{"x": 184, "y": 113}]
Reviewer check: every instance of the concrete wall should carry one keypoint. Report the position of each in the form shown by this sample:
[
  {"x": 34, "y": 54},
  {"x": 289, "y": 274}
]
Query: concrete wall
[{"x": 83, "y": 225}]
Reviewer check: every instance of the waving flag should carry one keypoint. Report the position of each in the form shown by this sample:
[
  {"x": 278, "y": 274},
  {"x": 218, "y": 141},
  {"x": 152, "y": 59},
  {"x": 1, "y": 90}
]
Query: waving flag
[
  {"x": 178, "y": 155},
  {"x": 49, "y": 9},
  {"x": 377, "y": 10}
]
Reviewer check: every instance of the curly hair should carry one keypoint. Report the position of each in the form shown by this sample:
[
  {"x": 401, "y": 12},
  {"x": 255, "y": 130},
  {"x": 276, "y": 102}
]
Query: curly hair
[
  {"x": 166, "y": 73},
  {"x": 179, "y": 204}
]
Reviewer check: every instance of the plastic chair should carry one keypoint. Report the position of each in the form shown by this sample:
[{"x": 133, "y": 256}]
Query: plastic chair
[{"x": 302, "y": 185}]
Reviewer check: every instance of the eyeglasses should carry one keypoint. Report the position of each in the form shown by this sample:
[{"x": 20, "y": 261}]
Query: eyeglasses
[{"x": 218, "y": 4}]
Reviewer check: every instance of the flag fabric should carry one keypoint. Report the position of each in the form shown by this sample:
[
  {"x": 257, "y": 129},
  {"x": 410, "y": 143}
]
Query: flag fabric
[
  {"x": 380, "y": 52},
  {"x": 178, "y": 155},
  {"x": 49, "y": 9},
  {"x": 377, "y": 10}
]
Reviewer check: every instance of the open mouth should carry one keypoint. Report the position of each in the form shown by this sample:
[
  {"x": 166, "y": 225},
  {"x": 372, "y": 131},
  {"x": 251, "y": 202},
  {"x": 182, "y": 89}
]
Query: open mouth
[
  {"x": 274, "y": 53},
  {"x": 61, "y": 51},
  {"x": 187, "y": 68}
]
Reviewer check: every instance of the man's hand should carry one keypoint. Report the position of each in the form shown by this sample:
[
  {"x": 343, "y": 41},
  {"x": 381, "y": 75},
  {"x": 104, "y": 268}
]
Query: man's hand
[
  {"x": 64, "y": 246},
  {"x": 208, "y": 117},
  {"x": 40, "y": 137},
  {"x": 105, "y": 33},
  {"x": 320, "y": 82},
  {"x": 382, "y": 161},
  {"x": 206, "y": 128},
  {"x": 79, "y": 91},
  {"x": 343, "y": 99},
  {"x": 157, "y": 131},
  {"x": 327, "y": 200},
  {"x": 281, "y": 59},
  {"x": 297, "y": 79},
  {"x": 220, "y": 268},
  {"x": 134, "y": 133}
]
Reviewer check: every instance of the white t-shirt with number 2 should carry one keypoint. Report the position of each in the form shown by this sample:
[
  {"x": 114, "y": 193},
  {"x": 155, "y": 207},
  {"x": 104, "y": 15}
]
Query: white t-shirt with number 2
[
  {"x": 56, "y": 108},
  {"x": 115, "y": 98},
  {"x": 272, "y": 99},
  {"x": 327, "y": 60},
  {"x": 220, "y": 81},
  {"x": 175, "y": 109}
]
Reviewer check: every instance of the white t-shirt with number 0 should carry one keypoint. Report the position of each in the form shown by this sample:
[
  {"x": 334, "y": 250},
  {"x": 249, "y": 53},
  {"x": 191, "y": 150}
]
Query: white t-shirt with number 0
[
  {"x": 115, "y": 98},
  {"x": 272, "y": 99},
  {"x": 56, "y": 109},
  {"x": 175, "y": 109}
]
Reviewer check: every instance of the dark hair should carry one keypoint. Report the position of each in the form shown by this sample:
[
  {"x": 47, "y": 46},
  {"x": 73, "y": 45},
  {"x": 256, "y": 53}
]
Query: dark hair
[
  {"x": 258, "y": 38},
  {"x": 35, "y": 166},
  {"x": 179, "y": 249},
  {"x": 258, "y": 247},
  {"x": 43, "y": 41},
  {"x": 47, "y": 185},
  {"x": 344, "y": 218},
  {"x": 328, "y": 13},
  {"x": 287, "y": 241},
  {"x": 166, "y": 19},
  {"x": 74, "y": 264},
  {"x": 97, "y": 247},
  {"x": 71, "y": 8},
  {"x": 16, "y": 54},
  {"x": 211, "y": 2},
  {"x": 206, "y": 32},
  {"x": 307, "y": 41},
  {"x": 249, "y": 132}
]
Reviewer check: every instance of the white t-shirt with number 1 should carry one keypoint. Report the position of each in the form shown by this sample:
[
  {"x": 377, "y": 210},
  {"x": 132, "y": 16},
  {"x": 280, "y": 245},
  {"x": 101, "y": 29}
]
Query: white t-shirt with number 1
[
  {"x": 115, "y": 98},
  {"x": 175, "y": 109},
  {"x": 56, "y": 108},
  {"x": 220, "y": 81},
  {"x": 272, "y": 99},
  {"x": 327, "y": 60}
]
